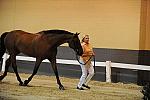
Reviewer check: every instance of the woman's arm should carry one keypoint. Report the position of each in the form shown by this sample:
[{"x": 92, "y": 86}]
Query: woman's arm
[{"x": 90, "y": 53}]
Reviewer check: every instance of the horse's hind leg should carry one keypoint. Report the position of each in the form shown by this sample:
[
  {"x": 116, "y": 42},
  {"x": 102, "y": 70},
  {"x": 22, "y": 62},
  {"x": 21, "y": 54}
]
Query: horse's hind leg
[
  {"x": 8, "y": 62},
  {"x": 36, "y": 67},
  {"x": 13, "y": 59}
]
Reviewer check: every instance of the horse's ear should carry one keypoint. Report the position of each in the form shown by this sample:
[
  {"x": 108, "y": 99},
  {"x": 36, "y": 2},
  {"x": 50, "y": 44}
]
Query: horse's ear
[{"x": 77, "y": 33}]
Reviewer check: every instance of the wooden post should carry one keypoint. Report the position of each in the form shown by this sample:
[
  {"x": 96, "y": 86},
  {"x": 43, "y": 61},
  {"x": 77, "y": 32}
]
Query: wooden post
[
  {"x": 5, "y": 57},
  {"x": 108, "y": 71}
]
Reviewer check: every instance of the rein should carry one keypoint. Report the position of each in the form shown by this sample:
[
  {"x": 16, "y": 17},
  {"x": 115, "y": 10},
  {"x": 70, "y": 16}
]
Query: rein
[
  {"x": 87, "y": 61},
  {"x": 81, "y": 62}
]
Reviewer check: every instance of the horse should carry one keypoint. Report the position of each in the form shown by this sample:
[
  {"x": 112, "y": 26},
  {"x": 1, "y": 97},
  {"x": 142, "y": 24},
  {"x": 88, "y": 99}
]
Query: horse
[{"x": 41, "y": 45}]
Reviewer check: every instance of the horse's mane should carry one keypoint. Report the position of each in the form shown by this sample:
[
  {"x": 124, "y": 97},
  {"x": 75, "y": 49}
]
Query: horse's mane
[{"x": 46, "y": 32}]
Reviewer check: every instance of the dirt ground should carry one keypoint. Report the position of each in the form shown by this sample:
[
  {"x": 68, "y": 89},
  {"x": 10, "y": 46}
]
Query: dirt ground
[{"x": 45, "y": 88}]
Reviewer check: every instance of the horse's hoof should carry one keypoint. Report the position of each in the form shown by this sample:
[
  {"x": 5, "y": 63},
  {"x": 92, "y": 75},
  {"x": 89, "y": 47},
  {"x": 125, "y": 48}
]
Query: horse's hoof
[
  {"x": 61, "y": 88},
  {"x": 25, "y": 83},
  {"x": 21, "y": 83},
  {"x": 1, "y": 78}
]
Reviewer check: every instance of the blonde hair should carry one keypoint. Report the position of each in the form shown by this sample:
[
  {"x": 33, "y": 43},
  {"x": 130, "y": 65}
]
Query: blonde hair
[{"x": 83, "y": 37}]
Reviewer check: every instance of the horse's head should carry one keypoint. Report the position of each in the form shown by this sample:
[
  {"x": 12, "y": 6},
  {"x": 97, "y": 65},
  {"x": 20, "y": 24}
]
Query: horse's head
[{"x": 75, "y": 44}]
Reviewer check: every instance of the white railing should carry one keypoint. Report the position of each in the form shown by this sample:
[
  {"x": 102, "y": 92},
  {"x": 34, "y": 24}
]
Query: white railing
[{"x": 107, "y": 64}]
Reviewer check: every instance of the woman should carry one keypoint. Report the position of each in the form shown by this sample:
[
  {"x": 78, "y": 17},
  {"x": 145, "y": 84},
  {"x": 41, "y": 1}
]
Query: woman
[{"x": 87, "y": 70}]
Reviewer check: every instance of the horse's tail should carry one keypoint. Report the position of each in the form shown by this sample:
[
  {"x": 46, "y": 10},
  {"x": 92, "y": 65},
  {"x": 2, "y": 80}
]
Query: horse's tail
[{"x": 2, "y": 45}]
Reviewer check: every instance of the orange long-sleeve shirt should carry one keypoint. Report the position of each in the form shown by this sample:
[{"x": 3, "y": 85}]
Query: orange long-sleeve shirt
[{"x": 87, "y": 52}]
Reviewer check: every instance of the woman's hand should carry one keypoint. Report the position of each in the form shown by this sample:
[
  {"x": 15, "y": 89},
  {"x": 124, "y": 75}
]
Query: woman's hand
[
  {"x": 91, "y": 53},
  {"x": 88, "y": 54},
  {"x": 85, "y": 55}
]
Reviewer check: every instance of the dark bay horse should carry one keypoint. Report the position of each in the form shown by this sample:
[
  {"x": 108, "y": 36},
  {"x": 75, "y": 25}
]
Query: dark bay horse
[{"x": 42, "y": 45}]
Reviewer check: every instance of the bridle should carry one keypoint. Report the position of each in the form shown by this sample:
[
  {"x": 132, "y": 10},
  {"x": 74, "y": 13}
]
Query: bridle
[{"x": 76, "y": 50}]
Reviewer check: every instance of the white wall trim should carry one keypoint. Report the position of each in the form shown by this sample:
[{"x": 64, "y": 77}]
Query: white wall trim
[{"x": 101, "y": 64}]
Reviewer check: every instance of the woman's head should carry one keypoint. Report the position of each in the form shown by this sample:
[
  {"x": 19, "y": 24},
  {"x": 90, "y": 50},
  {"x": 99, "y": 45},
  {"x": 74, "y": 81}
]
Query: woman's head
[{"x": 85, "y": 38}]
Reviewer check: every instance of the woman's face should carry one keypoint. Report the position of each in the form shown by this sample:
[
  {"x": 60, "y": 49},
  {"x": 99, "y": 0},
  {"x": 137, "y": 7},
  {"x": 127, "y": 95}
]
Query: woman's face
[{"x": 86, "y": 39}]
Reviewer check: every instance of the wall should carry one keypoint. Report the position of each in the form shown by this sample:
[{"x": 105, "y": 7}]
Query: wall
[
  {"x": 119, "y": 29},
  {"x": 110, "y": 23}
]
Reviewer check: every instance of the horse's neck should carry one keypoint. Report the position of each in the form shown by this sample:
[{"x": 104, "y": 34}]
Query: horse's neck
[
  {"x": 61, "y": 39},
  {"x": 64, "y": 39}
]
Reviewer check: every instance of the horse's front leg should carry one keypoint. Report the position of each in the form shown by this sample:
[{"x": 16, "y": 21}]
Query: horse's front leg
[
  {"x": 13, "y": 60},
  {"x": 53, "y": 63}
]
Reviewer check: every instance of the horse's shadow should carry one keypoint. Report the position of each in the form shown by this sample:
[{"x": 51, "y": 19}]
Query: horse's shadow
[{"x": 36, "y": 86}]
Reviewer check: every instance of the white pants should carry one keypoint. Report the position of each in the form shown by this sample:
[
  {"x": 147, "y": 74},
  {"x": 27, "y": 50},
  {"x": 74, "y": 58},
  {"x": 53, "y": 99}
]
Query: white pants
[{"x": 87, "y": 74}]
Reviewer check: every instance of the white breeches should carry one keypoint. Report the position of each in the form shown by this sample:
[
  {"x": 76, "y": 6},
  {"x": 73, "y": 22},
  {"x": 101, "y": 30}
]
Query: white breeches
[{"x": 87, "y": 74}]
